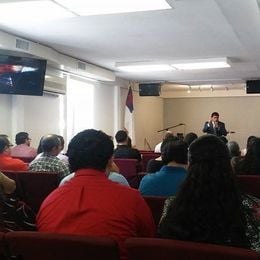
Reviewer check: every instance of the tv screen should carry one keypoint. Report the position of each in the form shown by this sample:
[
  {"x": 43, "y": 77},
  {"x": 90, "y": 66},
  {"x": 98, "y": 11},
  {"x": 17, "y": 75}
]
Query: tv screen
[
  {"x": 149, "y": 89},
  {"x": 22, "y": 76}
]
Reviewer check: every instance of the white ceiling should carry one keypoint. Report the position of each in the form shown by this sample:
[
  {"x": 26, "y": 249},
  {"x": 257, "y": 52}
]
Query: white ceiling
[{"x": 193, "y": 29}]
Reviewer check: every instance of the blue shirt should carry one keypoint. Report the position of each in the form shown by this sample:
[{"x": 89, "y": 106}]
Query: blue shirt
[{"x": 165, "y": 182}]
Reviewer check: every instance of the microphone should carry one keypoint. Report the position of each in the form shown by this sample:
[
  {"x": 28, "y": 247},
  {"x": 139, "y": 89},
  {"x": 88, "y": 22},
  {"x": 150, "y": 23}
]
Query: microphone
[
  {"x": 181, "y": 124},
  {"x": 231, "y": 132}
]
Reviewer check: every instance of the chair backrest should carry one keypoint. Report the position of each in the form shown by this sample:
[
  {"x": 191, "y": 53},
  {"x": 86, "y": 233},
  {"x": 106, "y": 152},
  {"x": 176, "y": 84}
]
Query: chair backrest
[
  {"x": 42, "y": 246},
  {"x": 129, "y": 169},
  {"x": 249, "y": 184},
  {"x": 156, "y": 205},
  {"x": 146, "y": 157},
  {"x": 166, "y": 249},
  {"x": 33, "y": 187},
  {"x": 24, "y": 159},
  {"x": 2, "y": 246}
]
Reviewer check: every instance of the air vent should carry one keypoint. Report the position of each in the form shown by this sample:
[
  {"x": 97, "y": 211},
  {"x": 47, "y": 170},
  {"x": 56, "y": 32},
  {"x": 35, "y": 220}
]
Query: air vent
[
  {"x": 81, "y": 66},
  {"x": 21, "y": 44}
]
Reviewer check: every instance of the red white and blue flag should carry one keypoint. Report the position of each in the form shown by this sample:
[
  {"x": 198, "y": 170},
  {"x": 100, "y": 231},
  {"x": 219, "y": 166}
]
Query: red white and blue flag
[{"x": 129, "y": 115}]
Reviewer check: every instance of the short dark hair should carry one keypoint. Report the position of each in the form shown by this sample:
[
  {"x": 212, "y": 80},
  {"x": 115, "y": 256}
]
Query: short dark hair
[
  {"x": 21, "y": 137},
  {"x": 175, "y": 151},
  {"x": 214, "y": 114},
  {"x": 90, "y": 149},
  {"x": 3, "y": 143},
  {"x": 121, "y": 136},
  {"x": 190, "y": 137},
  {"x": 48, "y": 142}
]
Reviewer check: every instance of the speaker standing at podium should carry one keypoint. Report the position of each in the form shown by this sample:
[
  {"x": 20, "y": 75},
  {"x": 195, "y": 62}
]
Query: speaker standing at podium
[{"x": 214, "y": 126}]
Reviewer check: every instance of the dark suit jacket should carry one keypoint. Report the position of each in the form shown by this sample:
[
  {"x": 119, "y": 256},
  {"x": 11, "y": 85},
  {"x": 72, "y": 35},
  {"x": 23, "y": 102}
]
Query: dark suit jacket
[
  {"x": 124, "y": 151},
  {"x": 219, "y": 131}
]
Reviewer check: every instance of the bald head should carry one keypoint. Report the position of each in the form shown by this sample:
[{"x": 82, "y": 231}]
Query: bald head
[{"x": 51, "y": 144}]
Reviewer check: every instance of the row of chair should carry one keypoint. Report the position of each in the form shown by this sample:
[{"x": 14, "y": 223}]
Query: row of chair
[
  {"x": 27, "y": 245},
  {"x": 33, "y": 187}
]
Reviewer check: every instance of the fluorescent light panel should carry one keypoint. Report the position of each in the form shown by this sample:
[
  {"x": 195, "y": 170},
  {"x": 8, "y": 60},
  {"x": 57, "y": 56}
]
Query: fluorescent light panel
[
  {"x": 31, "y": 11},
  {"x": 97, "y": 7},
  {"x": 145, "y": 67},
  {"x": 202, "y": 64}
]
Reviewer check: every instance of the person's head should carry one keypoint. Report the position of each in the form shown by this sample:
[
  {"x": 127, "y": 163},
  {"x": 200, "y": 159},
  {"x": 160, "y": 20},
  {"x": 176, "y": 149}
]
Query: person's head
[
  {"x": 90, "y": 149},
  {"x": 208, "y": 207},
  {"x": 189, "y": 138},
  {"x": 22, "y": 138},
  {"x": 50, "y": 144},
  {"x": 215, "y": 116},
  {"x": 234, "y": 149},
  {"x": 5, "y": 145},
  {"x": 39, "y": 148},
  {"x": 250, "y": 141},
  {"x": 121, "y": 137},
  {"x": 61, "y": 142},
  {"x": 175, "y": 151},
  {"x": 252, "y": 157},
  {"x": 168, "y": 134}
]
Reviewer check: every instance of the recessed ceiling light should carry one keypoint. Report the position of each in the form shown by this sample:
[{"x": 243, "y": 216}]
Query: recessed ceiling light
[
  {"x": 144, "y": 67},
  {"x": 97, "y": 7},
  {"x": 31, "y": 11},
  {"x": 202, "y": 64}
]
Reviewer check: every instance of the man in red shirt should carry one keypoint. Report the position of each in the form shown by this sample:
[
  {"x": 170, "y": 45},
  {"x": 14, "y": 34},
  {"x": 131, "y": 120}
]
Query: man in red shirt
[
  {"x": 90, "y": 204},
  {"x": 8, "y": 163}
]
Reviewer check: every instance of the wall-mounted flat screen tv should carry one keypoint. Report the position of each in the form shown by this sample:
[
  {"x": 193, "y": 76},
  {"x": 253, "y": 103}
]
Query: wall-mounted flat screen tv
[{"x": 22, "y": 75}]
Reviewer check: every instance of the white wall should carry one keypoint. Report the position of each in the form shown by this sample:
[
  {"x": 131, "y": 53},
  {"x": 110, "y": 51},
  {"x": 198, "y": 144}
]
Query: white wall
[
  {"x": 5, "y": 114},
  {"x": 42, "y": 115},
  {"x": 240, "y": 114},
  {"x": 105, "y": 113}
]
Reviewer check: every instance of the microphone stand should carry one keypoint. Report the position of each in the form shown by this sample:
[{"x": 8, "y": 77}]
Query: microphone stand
[{"x": 170, "y": 127}]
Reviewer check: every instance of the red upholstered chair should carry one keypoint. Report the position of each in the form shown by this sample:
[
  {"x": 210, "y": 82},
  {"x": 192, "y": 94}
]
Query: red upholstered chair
[
  {"x": 129, "y": 169},
  {"x": 249, "y": 184},
  {"x": 47, "y": 246},
  {"x": 166, "y": 249},
  {"x": 33, "y": 187},
  {"x": 2, "y": 247},
  {"x": 156, "y": 205},
  {"x": 146, "y": 157},
  {"x": 36, "y": 186}
]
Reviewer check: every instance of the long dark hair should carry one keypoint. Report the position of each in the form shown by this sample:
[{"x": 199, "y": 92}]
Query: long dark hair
[
  {"x": 251, "y": 163},
  {"x": 208, "y": 207}
]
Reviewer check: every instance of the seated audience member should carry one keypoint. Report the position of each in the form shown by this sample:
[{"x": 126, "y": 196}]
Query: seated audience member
[
  {"x": 189, "y": 138},
  {"x": 167, "y": 181},
  {"x": 234, "y": 153},
  {"x": 61, "y": 155},
  {"x": 154, "y": 165},
  {"x": 112, "y": 174},
  {"x": 123, "y": 150},
  {"x": 47, "y": 161},
  {"x": 250, "y": 164},
  {"x": 7, "y": 163},
  {"x": 22, "y": 148},
  {"x": 208, "y": 207},
  {"x": 14, "y": 215},
  {"x": 90, "y": 204},
  {"x": 249, "y": 142},
  {"x": 157, "y": 148}
]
